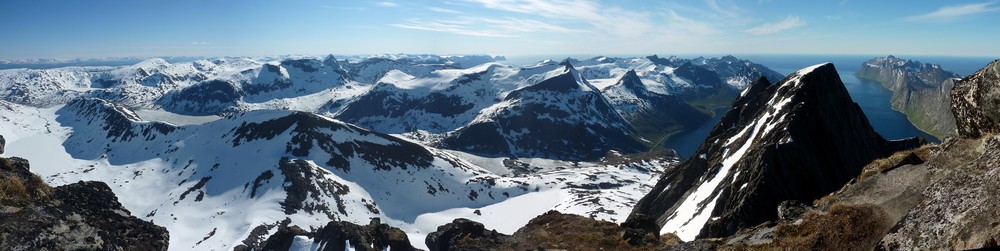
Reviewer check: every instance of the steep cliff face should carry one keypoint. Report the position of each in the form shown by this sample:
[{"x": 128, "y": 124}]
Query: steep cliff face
[
  {"x": 798, "y": 139},
  {"x": 79, "y": 216},
  {"x": 977, "y": 102},
  {"x": 935, "y": 197},
  {"x": 921, "y": 91}
]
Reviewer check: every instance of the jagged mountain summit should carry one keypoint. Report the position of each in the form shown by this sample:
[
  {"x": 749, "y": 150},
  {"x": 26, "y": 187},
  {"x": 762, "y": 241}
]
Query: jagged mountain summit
[
  {"x": 305, "y": 170},
  {"x": 798, "y": 139},
  {"x": 921, "y": 91},
  {"x": 935, "y": 197},
  {"x": 651, "y": 113},
  {"x": 225, "y": 153},
  {"x": 562, "y": 117}
]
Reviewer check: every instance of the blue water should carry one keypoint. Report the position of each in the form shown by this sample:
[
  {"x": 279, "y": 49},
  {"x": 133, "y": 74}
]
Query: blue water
[{"x": 873, "y": 99}]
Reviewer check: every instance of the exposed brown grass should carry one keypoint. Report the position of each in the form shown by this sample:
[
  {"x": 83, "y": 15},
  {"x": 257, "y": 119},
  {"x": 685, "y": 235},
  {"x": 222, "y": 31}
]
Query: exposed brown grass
[
  {"x": 883, "y": 164},
  {"x": 574, "y": 232},
  {"x": 12, "y": 190},
  {"x": 15, "y": 189},
  {"x": 842, "y": 227}
]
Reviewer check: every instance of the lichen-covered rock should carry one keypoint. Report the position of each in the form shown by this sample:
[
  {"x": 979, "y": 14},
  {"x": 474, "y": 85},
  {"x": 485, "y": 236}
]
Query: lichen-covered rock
[
  {"x": 79, "y": 216},
  {"x": 976, "y": 102},
  {"x": 341, "y": 235},
  {"x": 463, "y": 234}
]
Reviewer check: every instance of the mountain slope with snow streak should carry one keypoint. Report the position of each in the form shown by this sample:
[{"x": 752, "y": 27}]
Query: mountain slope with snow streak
[
  {"x": 302, "y": 169},
  {"x": 799, "y": 139},
  {"x": 562, "y": 117}
]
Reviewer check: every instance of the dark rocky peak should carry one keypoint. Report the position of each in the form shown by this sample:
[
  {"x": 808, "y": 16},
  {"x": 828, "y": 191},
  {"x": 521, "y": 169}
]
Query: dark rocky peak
[
  {"x": 729, "y": 58},
  {"x": 799, "y": 139},
  {"x": 331, "y": 61},
  {"x": 310, "y": 130},
  {"x": 79, "y": 216},
  {"x": 303, "y": 64},
  {"x": 272, "y": 68},
  {"x": 120, "y": 123},
  {"x": 210, "y": 97},
  {"x": 568, "y": 63},
  {"x": 658, "y": 60},
  {"x": 976, "y": 102},
  {"x": 699, "y": 75},
  {"x": 569, "y": 81},
  {"x": 631, "y": 81}
]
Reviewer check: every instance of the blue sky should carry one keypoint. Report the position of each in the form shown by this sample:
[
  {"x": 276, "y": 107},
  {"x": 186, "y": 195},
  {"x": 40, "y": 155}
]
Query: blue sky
[{"x": 104, "y": 28}]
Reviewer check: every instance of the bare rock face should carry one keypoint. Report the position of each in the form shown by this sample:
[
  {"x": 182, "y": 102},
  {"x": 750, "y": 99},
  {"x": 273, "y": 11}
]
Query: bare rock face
[
  {"x": 3, "y": 142},
  {"x": 799, "y": 139},
  {"x": 976, "y": 102},
  {"x": 79, "y": 216}
]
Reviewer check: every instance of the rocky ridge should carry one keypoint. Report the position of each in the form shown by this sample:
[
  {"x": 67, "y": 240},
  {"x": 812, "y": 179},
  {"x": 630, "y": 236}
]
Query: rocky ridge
[
  {"x": 766, "y": 150},
  {"x": 78, "y": 216}
]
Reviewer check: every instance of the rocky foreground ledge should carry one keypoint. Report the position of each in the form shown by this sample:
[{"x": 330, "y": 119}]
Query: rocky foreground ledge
[{"x": 80, "y": 216}]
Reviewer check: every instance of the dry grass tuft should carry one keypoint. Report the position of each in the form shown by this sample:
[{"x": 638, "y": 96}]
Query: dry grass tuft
[
  {"x": 843, "y": 227},
  {"x": 12, "y": 190}
]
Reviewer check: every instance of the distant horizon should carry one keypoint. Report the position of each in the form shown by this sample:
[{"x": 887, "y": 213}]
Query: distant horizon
[
  {"x": 185, "y": 28},
  {"x": 579, "y": 56}
]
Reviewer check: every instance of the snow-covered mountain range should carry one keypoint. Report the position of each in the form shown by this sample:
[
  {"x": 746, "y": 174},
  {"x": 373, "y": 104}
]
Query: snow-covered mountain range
[{"x": 226, "y": 152}]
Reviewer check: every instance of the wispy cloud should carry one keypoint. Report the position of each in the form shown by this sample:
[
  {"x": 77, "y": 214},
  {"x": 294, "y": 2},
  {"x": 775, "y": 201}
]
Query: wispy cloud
[
  {"x": 951, "y": 13},
  {"x": 679, "y": 23},
  {"x": 387, "y": 4},
  {"x": 444, "y": 10},
  {"x": 605, "y": 18},
  {"x": 727, "y": 9},
  {"x": 485, "y": 27},
  {"x": 200, "y": 43},
  {"x": 790, "y": 22}
]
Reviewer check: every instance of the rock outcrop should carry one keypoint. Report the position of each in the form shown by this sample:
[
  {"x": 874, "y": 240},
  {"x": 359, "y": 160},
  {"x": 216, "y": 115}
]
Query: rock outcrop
[
  {"x": 338, "y": 235},
  {"x": 552, "y": 230},
  {"x": 79, "y": 216},
  {"x": 976, "y": 102},
  {"x": 799, "y": 139},
  {"x": 921, "y": 91}
]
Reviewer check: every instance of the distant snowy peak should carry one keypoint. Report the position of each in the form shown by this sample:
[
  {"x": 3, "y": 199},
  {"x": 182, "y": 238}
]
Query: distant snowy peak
[
  {"x": 561, "y": 117},
  {"x": 651, "y": 113},
  {"x": 893, "y": 69},
  {"x": 799, "y": 139}
]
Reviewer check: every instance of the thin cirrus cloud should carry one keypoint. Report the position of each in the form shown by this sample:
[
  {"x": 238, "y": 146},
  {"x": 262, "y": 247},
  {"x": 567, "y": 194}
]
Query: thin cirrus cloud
[
  {"x": 387, "y": 4},
  {"x": 484, "y": 27},
  {"x": 951, "y": 13},
  {"x": 790, "y": 22},
  {"x": 444, "y": 10},
  {"x": 604, "y": 18}
]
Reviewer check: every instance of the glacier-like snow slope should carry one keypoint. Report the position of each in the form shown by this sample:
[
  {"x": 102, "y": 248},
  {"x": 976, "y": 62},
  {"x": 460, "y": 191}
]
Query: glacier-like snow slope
[
  {"x": 213, "y": 184},
  {"x": 220, "y": 181}
]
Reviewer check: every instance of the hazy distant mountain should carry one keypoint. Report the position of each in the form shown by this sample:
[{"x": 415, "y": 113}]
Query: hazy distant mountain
[{"x": 919, "y": 90}]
